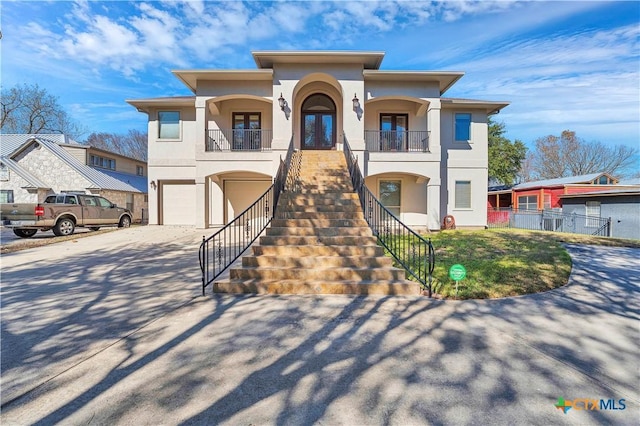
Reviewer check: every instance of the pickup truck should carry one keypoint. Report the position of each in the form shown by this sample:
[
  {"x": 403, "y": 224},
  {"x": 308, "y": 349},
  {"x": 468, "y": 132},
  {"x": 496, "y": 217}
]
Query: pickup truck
[{"x": 63, "y": 213}]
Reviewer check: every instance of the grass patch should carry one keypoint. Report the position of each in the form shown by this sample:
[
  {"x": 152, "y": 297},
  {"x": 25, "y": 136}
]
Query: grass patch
[{"x": 501, "y": 262}]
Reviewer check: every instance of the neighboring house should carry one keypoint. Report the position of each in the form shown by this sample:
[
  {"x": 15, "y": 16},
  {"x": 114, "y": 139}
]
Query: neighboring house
[
  {"x": 547, "y": 194},
  {"x": 621, "y": 205},
  {"x": 34, "y": 166},
  {"x": 212, "y": 154}
]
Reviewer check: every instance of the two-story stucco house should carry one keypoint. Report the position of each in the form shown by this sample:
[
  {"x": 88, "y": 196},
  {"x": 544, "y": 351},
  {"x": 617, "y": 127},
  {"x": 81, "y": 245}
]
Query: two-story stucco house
[{"x": 213, "y": 153}]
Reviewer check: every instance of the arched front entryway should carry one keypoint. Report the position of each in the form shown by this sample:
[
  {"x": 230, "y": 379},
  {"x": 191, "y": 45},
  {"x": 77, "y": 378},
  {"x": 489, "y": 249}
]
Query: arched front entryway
[{"x": 318, "y": 122}]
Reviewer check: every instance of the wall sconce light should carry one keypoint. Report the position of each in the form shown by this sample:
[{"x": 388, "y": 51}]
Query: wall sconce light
[
  {"x": 282, "y": 102},
  {"x": 153, "y": 184},
  {"x": 356, "y": 102}
]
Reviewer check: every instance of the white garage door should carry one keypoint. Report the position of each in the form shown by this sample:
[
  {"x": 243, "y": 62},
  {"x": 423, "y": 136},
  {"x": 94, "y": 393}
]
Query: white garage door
[
  {"x": 241, "y": 194},
  {"x": 179, "y": 204}
]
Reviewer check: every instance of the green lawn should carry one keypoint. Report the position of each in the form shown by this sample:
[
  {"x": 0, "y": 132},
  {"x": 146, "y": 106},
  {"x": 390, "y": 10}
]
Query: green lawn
[{"x": 506, "y": 262}]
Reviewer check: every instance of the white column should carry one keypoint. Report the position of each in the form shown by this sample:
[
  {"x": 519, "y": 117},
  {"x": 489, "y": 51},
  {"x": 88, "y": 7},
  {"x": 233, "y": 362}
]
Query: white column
[{"x": 433, "y": 204}]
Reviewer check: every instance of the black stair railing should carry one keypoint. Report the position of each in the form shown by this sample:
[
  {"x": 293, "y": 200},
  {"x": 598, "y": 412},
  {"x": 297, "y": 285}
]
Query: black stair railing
[
  {"x": 224, "y": 247},
  {"x": 410, "y": 250}
]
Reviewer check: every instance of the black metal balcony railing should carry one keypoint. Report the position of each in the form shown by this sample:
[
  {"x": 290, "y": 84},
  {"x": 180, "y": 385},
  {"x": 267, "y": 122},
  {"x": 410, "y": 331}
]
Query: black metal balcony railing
[
  {"x": 239, "y": 140},
  {"x": 396, "y": 140},
  {"x": 411, "y": 251}
]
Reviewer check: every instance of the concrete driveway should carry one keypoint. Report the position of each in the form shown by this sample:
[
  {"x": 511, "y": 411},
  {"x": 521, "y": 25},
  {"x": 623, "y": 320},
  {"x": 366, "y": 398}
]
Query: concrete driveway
[{"x": 111, "y": 329}]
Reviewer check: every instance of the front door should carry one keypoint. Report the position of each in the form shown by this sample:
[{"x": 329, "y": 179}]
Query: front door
[{"x": 318, "y": 122}]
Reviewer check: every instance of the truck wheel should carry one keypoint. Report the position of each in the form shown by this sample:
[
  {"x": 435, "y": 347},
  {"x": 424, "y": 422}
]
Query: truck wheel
[
  {"x": 125, "y": 222},
  {"x": 25, "y": 233},
  {"x": 64, "y": 227},
  {"x": 94, "y": 228}
]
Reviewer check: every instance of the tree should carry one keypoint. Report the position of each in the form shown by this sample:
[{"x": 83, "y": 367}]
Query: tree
[
  {"x": 32, "y": 110},
  {"x": 133, "y": 144},
  {"x": 569, "y": 155},
  {"x": 505, "y": 157}
]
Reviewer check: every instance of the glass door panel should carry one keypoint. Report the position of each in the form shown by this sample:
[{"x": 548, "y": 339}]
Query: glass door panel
[
  {"x": 326, "y": 141},
  {"x": 309, "y": 131}
]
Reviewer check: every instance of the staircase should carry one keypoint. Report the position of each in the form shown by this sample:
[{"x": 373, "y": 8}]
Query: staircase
[{"x": 318, "y": 242}]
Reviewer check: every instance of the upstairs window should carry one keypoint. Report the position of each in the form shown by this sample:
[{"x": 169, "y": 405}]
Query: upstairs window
[
  {"x": 140, "y": 170},
  {"x": 4, "y": 172},
  {"x": 169, "y": 125},
  {"x": 463, "y": 127},
  {"x": 103, "y": 162}
]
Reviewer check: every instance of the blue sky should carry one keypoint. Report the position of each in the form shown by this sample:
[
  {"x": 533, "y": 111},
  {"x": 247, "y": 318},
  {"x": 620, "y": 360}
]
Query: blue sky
[{"x": 562, "y": 65}]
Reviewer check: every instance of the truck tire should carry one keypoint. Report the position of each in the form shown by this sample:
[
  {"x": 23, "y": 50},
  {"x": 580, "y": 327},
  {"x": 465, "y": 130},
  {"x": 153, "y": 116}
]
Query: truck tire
[
  {"x": 25, "y": 233},
  {"x": 125, "y": 222},
  {"x": 64, "y": 226}
]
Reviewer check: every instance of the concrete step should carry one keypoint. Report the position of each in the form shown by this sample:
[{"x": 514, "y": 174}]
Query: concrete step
[
  {"x": 334, "y": 195},
  {"x": 399, "y": 287},
  {"x": 320, "y": 232},
  {"x": 318, "y": 273},
  {"x": 347, "y": 208},
  {"x": 317, "y": 262},
  {"x": 286, "y": 214},
  {"x": 317, "y": 250},
  {"x": 316, "y": 240},
  {"x": 318, "y": 223}
]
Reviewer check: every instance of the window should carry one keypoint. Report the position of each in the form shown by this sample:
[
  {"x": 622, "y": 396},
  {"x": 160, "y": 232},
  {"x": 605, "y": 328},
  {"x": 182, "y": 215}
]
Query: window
[
  {"x": 528, "y": 202},
  {"x": 390, "y": 195},
  {"x": 463, "y": 127},
  {"x": 103, "y": 202},
  {"x": 593, "y": 214},
  {"x": 393, "y": 131},
  {"x": 130, "y": 202},
  {"x": 602, "y": 180},
  {"x": 140, "y": 170},
  {"x": 463, "y": 194},
  {"x": 6, "y": 196},
  {"x": 103, "y": 162},
  {"x": 169, "y": 125},
  {"x": 547, "y": 201},
  {"x": 88, "y": 201}
]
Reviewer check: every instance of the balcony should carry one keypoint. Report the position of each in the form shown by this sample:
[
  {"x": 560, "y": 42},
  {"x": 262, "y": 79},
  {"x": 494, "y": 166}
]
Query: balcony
[
  {"x": 238, "y": 140},
  {"x": 396, "y": 140}
]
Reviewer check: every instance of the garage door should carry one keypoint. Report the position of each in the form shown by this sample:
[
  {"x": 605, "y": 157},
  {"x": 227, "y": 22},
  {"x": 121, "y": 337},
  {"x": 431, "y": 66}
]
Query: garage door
[
  {"x": 178, "y": 204},
  {"x": 241, "y": 194}
]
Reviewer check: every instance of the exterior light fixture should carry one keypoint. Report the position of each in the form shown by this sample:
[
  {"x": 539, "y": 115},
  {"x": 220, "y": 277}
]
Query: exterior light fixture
[
  {"x": 356, "y": 102},
  {"x": 282, "y": 102},
  {"x": 153, "y": 184}
]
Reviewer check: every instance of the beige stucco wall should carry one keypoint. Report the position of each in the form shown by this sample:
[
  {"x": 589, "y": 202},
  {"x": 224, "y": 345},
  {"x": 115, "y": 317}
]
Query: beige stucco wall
[
  {"x": 465, "y": 162},
  {"x": 420, "y": 89}
]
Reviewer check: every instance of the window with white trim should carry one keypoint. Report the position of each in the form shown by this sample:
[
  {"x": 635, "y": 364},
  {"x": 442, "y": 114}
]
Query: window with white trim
[
  {"x": 528, "y": 202},
  {"x": 390, "y": 191},
  {"x": 547, "y": 201},
  {"x": 592, "y": 211},
  {"x": 463, "y": 194},
  {"x": 463, "y": 127},
  {"x": 169, "y": 124},
  {"x": 4, "y": 172}
]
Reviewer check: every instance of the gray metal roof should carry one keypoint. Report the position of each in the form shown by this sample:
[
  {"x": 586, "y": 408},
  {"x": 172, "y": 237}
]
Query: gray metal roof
[
  {"x": 98, "y": 179},
  {"x": 139, "y": 182},
  {"x": 560, "y": 181},
  {"x": 606, "y": 193},
  {"x": 12, "y": 142}
]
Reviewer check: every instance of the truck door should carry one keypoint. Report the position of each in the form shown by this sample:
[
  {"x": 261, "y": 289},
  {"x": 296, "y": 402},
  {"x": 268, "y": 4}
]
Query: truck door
[
  {"x": 90, "y": 210},
  {"x": 108, "y": 213}
]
